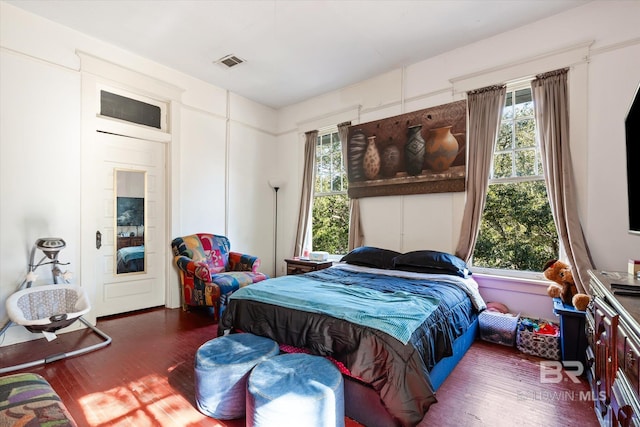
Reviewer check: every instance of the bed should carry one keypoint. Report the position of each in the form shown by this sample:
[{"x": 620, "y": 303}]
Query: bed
[
  {"x": 130, "y": 259},
  {"x": 395, "y": 324}
]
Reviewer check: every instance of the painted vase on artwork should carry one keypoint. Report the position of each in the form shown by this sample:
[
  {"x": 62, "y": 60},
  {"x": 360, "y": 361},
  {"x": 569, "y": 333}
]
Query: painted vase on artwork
[
  {"x": 414, "y": 150},
  {"x": 371, "y": 162},
  {"x": 357, "y": 147},
  {"x": 390, "y": 163},
  {"x": 441, "y": 149}
]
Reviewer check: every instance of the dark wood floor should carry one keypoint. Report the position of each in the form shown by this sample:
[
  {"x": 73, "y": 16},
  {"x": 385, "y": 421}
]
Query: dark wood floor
[{"x": 145, "y": 378}]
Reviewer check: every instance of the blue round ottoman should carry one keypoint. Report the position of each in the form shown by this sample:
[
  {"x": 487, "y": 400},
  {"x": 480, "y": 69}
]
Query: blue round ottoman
[
  {"x": 222, "y": 367},
  {"x": 295, "y": 389}
]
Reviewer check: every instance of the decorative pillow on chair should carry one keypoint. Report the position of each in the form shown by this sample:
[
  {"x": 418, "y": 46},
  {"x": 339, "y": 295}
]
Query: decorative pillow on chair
[
  {"x": 216, "y": 251},
  {"x": 215, "y": 261},
  {"x": 369, "y": 256},
  {"x": 433, "y": 262}
]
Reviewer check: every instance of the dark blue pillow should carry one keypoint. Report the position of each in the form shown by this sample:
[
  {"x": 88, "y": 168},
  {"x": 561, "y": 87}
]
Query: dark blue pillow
[
  {"x": 433, "y": 262},
  {"x": 369, "y": 256}
]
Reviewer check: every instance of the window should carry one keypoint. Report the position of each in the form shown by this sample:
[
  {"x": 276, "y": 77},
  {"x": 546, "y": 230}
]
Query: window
[
  {"x": 130, "y": 110},
  {"x": 517, "y": 231},
  {"x": 330, "y": 215}
]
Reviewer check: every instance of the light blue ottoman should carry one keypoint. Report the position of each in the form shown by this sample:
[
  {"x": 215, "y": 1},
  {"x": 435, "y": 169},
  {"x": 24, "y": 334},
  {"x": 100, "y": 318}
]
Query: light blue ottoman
[
  {"x": 222, "y": 366},
  {"x": 295, "y": 390}
]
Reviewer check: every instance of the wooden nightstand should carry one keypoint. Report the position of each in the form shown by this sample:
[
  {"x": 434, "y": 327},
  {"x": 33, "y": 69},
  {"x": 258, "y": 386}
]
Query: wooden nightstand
[{"x": 301, "y": 266}]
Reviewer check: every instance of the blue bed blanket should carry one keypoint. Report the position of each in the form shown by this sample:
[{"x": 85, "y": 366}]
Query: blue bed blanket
[
  {"x": 396, "y": 312},
  {"x": 130, "y": 253}
]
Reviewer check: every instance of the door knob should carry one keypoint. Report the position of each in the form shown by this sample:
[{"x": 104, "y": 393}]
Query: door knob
[{"x": 98, "y": 239}]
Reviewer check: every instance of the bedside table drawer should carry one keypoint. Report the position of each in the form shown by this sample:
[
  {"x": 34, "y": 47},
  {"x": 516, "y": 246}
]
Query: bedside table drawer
[
  {"x": 299, "y": 269},
  {"x": 300, "y": 266}
]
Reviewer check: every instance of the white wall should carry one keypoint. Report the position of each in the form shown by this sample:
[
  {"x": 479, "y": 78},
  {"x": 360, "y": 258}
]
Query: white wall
[
  {"x": 39, "y": 182},
  {"x": 221, "y": 154},
  {"x": 613, "y": 79},
  {"x": 600, "y": 41}
]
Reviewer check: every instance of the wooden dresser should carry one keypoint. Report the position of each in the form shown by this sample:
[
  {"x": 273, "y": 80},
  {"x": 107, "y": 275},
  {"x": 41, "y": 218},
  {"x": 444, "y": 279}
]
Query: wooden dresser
[
  {"x": 613, "y": 354},
  {"x": 125, "y": 242}
]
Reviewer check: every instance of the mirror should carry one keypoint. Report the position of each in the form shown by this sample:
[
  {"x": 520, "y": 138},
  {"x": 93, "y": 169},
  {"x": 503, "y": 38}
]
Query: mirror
[{"x": 130, "y": 190}]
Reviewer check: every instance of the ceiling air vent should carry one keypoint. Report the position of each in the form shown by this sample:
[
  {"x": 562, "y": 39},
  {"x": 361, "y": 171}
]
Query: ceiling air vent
[{"x": 229, "y": 61}]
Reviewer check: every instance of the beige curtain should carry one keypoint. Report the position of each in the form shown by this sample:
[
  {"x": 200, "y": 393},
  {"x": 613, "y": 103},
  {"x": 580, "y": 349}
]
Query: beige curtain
[
  {"x": 356, "y": 233},
  {"x": 485, "y": 111},
  {"x": 356, "y": 236},
  {"x": 306, "y": 195},
  {"x": 551, "y": 103}
]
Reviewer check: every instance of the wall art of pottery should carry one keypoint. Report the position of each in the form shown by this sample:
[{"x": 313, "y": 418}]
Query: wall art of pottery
[{"x": 414, "y": 153}]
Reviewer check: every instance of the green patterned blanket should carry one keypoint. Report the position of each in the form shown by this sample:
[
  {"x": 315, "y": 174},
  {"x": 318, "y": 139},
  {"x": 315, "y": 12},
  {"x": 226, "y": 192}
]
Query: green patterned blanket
[{"x": 28, "y": 400}]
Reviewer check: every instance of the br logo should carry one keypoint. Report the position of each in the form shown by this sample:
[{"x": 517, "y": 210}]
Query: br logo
[{"x": 554, "y": 372}]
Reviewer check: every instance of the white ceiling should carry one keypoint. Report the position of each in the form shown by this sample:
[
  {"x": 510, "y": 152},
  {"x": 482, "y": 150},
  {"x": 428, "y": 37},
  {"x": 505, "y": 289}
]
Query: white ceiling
[{"x": 294, "y": 49}]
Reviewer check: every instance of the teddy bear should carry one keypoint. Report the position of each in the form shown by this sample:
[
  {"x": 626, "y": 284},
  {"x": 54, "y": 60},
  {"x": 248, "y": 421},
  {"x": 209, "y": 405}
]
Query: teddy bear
[{"x": 564, "y": 286}]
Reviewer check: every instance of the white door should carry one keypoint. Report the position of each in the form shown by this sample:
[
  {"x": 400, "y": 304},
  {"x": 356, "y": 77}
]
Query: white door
[{"x": 129, "y": 289}]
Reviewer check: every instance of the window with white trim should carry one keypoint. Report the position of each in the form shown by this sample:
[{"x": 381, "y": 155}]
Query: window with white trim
[
  {"x": 330, "y": 214},
  {"x": 132, "y": 108},
  {"x": 517, "y": 231}
]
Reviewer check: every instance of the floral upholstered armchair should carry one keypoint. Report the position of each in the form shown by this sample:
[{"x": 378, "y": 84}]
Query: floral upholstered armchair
[{"x": 210, "y": 272}]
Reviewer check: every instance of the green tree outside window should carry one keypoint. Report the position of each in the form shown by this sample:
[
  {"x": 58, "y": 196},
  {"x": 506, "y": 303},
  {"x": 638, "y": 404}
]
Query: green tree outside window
[{"x": 330, "y": 214}]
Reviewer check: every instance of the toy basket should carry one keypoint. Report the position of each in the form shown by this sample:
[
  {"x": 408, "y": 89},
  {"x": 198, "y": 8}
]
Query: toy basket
[
  {"x": 531, "y": 342},
  {"x": 498, "y": 328}
]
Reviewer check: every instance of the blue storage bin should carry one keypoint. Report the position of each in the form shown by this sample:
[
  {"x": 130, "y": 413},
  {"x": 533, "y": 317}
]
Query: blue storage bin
[{"x": 573, "y": 339}]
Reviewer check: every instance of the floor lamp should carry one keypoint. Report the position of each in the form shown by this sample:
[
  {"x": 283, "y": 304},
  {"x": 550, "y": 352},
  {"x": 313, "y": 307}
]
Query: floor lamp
[{"x": 276, "y": 185}]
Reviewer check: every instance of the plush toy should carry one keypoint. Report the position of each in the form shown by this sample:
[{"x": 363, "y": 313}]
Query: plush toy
[{"x": 564, "y": 286}]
